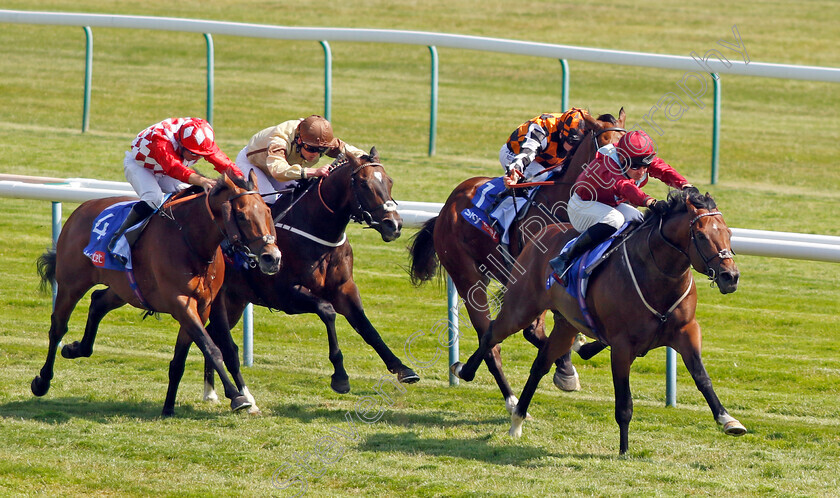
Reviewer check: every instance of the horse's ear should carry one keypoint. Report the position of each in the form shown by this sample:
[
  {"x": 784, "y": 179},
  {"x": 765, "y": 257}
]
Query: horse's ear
[
  {"x": 622, "y": 116},
  {"x": 228, "y": 178},
  {"x": 374, "y": 154}
]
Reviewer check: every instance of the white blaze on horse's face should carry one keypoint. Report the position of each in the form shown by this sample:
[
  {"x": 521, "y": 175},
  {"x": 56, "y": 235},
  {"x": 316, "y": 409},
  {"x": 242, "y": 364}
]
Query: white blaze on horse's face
[
  {"x": 378, "y": 175},
  {"x": 389, "y": 206}
]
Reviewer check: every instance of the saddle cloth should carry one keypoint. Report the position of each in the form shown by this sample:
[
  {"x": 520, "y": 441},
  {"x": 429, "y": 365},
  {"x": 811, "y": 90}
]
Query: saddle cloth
[
  {"x": 489, "y": 202},
  {"x": 104, "y": 227}
]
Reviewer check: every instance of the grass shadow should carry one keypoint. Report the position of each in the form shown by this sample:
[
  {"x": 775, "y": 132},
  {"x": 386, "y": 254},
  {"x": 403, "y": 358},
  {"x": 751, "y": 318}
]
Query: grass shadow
[
  {"x": 311, "y": 412},
  {"x": 63, "y": 410},
  {"x": 476, "y": 448}
]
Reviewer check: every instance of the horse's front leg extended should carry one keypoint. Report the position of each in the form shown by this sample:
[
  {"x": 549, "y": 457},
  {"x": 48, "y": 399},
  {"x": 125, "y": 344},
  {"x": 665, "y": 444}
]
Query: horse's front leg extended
[
  {"x": 223, "y": 314},
  {"x": 348, "y": 302},
  {"x": 191, "y": 324},
  {"x": 302, "y": 300},
  {"x": 558, "y": 343},
  {"x": 689, "y": 344}
]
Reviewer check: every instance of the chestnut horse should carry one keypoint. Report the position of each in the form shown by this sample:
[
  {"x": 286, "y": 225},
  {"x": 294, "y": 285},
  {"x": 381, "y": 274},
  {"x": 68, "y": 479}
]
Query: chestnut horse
[
  {"x": 317, "y": 274},
  {"x": 472, "y": 258},
  {"x": 178, "y": 269},
  {"x": 650, "y": 270}
]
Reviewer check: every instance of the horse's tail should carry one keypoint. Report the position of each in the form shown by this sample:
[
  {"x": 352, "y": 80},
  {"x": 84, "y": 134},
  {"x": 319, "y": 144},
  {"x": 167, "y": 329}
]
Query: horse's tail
[
  {"x": 46, "y": 268},
  {"x": 424, "y": 261}
]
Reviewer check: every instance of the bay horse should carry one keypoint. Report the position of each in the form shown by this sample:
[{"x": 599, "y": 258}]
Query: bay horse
[
  {"x": 317, "y": 274},
  {"x": 178, "y": 268},
  {"x": 472, "y": 258},
  {"x": 650, "y": 270}
]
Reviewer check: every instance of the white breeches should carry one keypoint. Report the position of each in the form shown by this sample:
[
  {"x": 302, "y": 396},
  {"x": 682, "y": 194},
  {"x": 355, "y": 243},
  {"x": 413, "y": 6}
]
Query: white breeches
[
  {"x": 266, "y": 183},
  {"x": 584, "y": 214},
  {"x": 150, "y": 186}
]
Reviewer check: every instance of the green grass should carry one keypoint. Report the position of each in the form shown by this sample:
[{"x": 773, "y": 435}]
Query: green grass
[{"x": 772, "y": 348}]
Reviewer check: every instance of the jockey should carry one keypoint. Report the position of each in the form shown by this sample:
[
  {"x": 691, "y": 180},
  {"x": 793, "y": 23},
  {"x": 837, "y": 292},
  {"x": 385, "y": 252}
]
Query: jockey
[
  {"x": 160, "y": 161},
  {"x": 607, "y": 190},
  {"x": 542, "y": 142},
  {"x": 282, "y": 154}
]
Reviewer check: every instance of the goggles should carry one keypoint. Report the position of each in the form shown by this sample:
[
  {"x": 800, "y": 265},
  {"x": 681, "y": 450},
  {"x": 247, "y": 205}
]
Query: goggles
[
  {"x": 641, "y": 162},
  {"x": 574, "y": 138},
  {"x": 314, "y": 148}
]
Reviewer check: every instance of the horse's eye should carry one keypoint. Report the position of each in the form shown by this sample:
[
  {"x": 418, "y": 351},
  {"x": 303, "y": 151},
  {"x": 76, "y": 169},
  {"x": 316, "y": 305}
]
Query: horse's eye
[{"x": 701, "y": 236}]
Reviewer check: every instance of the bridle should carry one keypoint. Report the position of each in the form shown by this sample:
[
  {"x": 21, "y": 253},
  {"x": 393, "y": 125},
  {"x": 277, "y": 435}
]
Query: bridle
[
  {"x": 358, "y": 213},
  {"x": 237, "y": 241},
  {"x": 723, "y": 254}
]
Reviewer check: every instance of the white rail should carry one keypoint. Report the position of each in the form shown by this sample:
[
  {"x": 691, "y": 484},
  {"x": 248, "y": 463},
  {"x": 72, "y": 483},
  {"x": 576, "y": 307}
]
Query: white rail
[
  {"x": 620, "y": 57},
  {"x": 744, "y": 241}
]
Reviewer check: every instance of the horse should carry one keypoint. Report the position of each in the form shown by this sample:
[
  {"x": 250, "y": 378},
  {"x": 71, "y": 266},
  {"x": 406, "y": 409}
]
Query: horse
[
  {"x": 317, "y": 275},
  {"x": 650, "y": 269},
  {"x": 178, "y": 269},
  {"x": 472, "y": 258}
]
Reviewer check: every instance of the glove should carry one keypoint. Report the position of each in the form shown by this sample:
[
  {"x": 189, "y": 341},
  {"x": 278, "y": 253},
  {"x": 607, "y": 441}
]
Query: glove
[
  {"x": 659, "y": 207},
  {"x": 690, "y": 188}
]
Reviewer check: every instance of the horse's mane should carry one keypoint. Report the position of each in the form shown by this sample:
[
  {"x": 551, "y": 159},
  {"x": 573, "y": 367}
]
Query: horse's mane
[{"x": 676, "y": 202}]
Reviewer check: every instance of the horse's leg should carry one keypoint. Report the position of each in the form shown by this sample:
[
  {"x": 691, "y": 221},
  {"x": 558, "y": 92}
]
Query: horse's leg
[
  {"x": 509, "y": 320},
  {"x": 590, "y": 349},
  {"x": 191, "y": 324},
  {"x": 566, "y": 377},
  {"x": 102, "y": 302},
  {"x": 65, "y": 301},
  {"x": 621, "y": 358},
  {"x": 689, "y": 345},
  {"x": 176, "y": 371},
  {"x": 223, "y": 312},
  {"x": 558, "y": 343},
  {"x": 477, "y": 309},
  {"x": 301, "y": 300},
  {"x": 348, "y": 302}
]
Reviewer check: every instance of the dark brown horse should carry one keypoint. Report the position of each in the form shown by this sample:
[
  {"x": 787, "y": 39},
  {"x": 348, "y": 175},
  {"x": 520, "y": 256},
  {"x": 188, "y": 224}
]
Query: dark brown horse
[
  {"x": 472, "y": 258},
  {"x": 317, "y": 274},
  {"x": 178, "y": 267},
  {"x": 649, "y": 270}
]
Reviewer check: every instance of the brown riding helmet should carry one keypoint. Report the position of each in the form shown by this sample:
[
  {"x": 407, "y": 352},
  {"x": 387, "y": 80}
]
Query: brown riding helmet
[{"x": 317, "y": 131}]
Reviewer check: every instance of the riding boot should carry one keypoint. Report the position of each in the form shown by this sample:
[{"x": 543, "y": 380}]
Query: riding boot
[
  {"x": 139, "y": 212},
  {"x": 589, "y": 239}
]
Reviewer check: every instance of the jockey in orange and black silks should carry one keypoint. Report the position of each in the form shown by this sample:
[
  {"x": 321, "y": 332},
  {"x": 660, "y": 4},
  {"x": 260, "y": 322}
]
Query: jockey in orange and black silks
[{"x": 542, "y": 142}]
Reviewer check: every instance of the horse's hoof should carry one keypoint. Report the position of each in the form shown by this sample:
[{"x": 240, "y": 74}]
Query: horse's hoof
[
  {"x": 515, "y": 426},
  {"x": 239, "y": 403},
  {"x": 167, "y": 412},
  {"x": 40, "y": 386},
  {"x": 340, "y": 385},
  {"x": 66, "y": 352},
  {"x": 254, "y": 410},
  {"x": 734, "y": 428},
  {"x": 567, "y": 383},
  {"x": 407, "y": 376}
]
